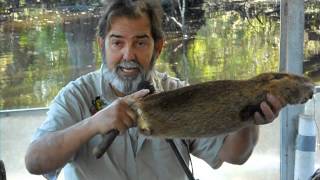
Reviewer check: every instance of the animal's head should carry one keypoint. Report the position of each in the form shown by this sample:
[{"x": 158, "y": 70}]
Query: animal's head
[{"x": 294, "y": 89}]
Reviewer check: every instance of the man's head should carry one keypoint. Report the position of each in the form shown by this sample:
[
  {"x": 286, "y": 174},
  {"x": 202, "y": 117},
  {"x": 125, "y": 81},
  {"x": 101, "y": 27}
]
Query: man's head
[{"x": 131, "y": 38}]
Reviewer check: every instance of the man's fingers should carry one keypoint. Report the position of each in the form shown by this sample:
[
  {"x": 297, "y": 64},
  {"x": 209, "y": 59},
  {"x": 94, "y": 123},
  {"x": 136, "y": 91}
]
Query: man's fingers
[
  {"x": 132, "y": 98},
  {"x": 140, "y": 94},
  {"x": 259, "y": 119},
  {"x": 267, "y": 111},
  {"x": 132, "y": 117},
  {"x": 275, "y": 102},
  {"x": 128, "y": 120},
  {"x": 267, "y": 117},
  {"x": 126, "y": 117}
]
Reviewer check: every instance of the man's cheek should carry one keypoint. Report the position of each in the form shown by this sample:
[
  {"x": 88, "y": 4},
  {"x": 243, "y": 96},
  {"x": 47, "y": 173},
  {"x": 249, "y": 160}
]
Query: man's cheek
[
  {"x": 146, "y": 65},
  {"x": 113, "y": 66}
]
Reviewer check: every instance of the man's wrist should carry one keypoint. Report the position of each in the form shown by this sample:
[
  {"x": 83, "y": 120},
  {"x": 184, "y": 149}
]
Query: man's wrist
[{"x": 91, "y": 126}]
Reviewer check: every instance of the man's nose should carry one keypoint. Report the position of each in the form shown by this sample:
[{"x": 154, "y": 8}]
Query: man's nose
[{"x": 129, "y": 54}]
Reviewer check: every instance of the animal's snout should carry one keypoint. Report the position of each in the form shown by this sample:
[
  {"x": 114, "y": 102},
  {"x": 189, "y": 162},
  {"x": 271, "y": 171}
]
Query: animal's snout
[
  {"x": 307, "y": 91},
  {"x": 310, "y": 94},
  {"x": 307, "y": 97}
]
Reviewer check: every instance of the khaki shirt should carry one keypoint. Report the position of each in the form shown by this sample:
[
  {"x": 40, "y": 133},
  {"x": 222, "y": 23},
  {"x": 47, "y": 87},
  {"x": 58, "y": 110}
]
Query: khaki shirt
[{"x": 131, "y": 156}]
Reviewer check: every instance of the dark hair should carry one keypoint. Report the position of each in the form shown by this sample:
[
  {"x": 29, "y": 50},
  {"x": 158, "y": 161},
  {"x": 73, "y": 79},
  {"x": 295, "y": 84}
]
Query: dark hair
[{"x": 132, "y": 9}]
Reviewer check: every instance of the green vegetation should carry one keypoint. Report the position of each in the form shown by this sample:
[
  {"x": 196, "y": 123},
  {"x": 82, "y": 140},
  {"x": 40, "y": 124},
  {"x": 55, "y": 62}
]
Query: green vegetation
[{"x": 43, "y": 50}]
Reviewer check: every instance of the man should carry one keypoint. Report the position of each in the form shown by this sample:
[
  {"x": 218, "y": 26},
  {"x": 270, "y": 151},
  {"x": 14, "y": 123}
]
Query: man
[{"x": 131, "y": 39}]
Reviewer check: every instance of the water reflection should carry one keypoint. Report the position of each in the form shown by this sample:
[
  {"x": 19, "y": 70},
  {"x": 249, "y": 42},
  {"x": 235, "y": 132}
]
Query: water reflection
[
  {"x": 41, "y": 54},
  {"x": 42, "y": 50},
  {"x": 80, "y": 34}
]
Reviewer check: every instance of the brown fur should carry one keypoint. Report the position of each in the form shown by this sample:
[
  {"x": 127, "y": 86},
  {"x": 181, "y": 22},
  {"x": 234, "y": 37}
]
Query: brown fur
[{"x": 216, "y": 107}]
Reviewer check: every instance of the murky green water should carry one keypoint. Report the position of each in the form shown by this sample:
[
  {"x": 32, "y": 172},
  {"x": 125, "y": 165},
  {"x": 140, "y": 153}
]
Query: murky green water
[{"x": 42, "y": 50}]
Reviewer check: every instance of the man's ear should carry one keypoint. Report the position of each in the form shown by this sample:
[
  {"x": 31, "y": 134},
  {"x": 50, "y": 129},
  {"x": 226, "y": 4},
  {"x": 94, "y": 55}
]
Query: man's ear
[
  {"x": 100, "y": 42},
  {"x": 158, "y": 46}
]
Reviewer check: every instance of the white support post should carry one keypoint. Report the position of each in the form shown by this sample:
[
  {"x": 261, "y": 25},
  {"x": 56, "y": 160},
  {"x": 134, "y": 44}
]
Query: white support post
[
  {"x": 305, "y": 148},
  {"x": 291, "y": 59}
]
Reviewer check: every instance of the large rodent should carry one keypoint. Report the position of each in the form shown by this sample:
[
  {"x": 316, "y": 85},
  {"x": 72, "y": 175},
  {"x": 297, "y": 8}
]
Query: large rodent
[{"x": 216, "y": 107}]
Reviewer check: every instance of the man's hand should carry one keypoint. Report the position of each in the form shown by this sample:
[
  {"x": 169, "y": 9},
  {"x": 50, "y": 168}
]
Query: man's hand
[
  {"x": 270, "y": 110},
  {"x": 58, "y": 147},
  {"x": 119, "y": 114},
  {"x": 238, "y": 146}
]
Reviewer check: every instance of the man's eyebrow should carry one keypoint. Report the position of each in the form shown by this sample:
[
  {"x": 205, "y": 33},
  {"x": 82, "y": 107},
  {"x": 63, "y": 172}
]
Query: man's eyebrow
[
  {"x": 142, "y": 36},
  {"x": 115, "y": 36},
  {"x": 137, "y": 37}
]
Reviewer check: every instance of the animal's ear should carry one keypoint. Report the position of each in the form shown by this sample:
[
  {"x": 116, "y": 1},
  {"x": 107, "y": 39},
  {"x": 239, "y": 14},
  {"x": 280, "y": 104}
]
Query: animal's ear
[
  {"x": 270, "y": 76},
  {"x": 279, "y": 75},
  {"x": 263, "y": 77}
]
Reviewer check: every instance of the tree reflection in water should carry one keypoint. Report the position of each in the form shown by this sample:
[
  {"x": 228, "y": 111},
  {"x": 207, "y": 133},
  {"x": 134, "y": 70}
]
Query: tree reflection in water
[{"x": 42, "y": 48}]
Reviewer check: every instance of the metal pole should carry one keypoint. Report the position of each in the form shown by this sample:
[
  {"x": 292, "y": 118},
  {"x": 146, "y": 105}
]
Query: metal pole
[{"x": 291, "y": 59}]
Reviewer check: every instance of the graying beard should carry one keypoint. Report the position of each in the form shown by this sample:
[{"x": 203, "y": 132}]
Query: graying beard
[{"x": 127, "y": 85}]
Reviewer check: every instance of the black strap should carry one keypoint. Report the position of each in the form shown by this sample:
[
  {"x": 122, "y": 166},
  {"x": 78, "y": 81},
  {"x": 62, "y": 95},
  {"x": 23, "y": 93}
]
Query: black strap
[
  {"x": 2, "y": 171},
  {"x": 180, "y": 159}
]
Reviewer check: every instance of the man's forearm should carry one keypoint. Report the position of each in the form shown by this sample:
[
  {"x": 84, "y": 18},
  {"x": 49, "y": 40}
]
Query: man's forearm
[
  {"x": 238, "y": 146},
  {"x": 53, "y": 150}
]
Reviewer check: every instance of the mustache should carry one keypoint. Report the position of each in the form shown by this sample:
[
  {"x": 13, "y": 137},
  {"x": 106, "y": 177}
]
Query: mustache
[{"x": 130, "y": 64}]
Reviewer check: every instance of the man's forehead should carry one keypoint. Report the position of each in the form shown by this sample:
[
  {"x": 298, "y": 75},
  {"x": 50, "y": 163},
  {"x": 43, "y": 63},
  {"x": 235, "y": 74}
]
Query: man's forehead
[{"x": 124, "y": 27}]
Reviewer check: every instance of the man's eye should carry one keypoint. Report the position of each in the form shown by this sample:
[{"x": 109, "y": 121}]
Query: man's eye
[
  {"x": 116, "y": 43},
  {"x": 141, "y": 43}
]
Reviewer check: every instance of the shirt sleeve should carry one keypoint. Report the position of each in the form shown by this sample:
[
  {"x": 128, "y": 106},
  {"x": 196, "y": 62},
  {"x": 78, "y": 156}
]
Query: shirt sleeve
[
  {"x": 64, "y": 111},
  {"x": 207, "y": 149}
]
